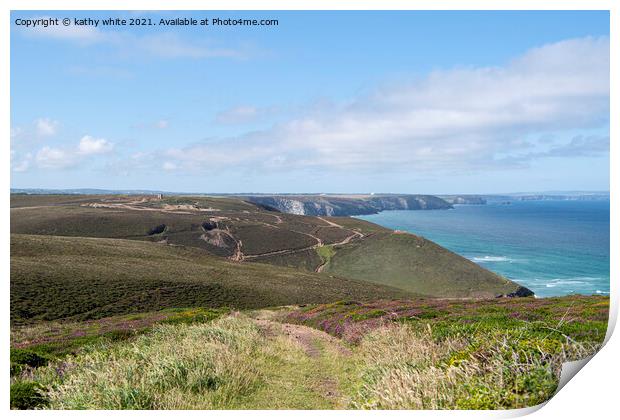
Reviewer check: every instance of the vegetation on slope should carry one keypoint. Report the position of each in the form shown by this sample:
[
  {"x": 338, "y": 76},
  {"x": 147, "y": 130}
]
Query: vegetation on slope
[
  {"x": 94, "y": 324},
  {"x": 241, "y": 231},
  {"x": 583, "y": 318},
  {"x": 417, "y": 265},
  {"x": 415, "y": 354},
  {"x": 48, "y": 340},
  {"x": 87, "y": 278},
  {"x": 220, "y": 226},
  {"x": 437, "y": 354}
]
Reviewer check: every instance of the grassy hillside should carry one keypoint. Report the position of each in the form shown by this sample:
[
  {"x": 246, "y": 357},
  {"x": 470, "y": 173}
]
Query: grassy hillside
[
  {"x": 415, "y": 264},
  {"x": 58, "y": 277},
  {"x": 442, "y": 354},
  {"x": 28, "y": 200},
  {"x": 136, "y": 302},
  {"x": 221, "y": 226},
  {"x": 237, "y": 230},
  {"x": 389, "y": 354},
  {"x": 551, "y": 320}
]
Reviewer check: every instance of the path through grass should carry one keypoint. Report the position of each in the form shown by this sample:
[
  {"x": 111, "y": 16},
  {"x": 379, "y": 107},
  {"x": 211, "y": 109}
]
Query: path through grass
[
  {"x": 236, "y": 362},
  {"x": 417, "y": 354},
  {"x": 306, "y": 368}
]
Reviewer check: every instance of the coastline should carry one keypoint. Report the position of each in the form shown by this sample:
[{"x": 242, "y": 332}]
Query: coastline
[{"x": 499, "y": 238}]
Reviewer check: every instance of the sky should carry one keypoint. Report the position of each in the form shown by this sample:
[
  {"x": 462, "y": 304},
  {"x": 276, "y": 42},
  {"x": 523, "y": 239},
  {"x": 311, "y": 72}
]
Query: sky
[{"x": 402, "y": 102}]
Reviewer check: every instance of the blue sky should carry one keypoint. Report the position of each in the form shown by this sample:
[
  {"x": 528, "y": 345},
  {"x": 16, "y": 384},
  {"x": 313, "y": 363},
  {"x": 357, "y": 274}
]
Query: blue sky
[{"x": 411, "y": 102}]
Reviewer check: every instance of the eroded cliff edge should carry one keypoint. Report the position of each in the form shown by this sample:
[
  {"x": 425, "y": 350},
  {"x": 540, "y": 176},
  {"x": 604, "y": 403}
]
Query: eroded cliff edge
[{"x": 347, "y": 205}]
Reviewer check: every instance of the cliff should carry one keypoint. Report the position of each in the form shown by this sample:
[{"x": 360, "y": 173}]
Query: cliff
[
  {"x": 464, "y": 199},
  {"x": 326, "y": 205}
]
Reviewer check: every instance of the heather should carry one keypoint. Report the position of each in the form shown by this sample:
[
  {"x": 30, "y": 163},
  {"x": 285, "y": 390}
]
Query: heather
[
  {"x": 386, "y": 354},
  {"x": 581, "y": 318},
  {"x": 450, "y": 354}
]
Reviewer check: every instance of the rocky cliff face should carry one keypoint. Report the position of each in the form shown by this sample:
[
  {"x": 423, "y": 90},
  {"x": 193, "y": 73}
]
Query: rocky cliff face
[
  {"x": 315, "y": 205},
  {"x": 464, "y": 199},
  {"x": 520, "y": 292}
]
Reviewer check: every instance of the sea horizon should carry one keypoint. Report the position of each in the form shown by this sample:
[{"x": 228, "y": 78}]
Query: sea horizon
[{"x": 553, "y": 247}]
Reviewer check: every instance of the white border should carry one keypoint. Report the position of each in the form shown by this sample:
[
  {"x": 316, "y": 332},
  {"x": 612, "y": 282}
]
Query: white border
[{"x": 592, "y": 394}]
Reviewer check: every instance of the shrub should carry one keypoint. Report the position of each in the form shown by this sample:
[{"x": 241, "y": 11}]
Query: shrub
[
  {"x": 28, "y": 357},
  {"x": 27, "y": 395},
  {"x": 22, "y": 357},
  {"x": 120, "y": 335}
]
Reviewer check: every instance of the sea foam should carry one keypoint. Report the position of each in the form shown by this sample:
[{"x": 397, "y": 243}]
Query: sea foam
[{"x": 491, "y": 258}]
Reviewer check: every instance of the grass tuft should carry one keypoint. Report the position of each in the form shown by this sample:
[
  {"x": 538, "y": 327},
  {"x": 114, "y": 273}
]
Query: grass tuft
[{"x": 201, "y": 366}]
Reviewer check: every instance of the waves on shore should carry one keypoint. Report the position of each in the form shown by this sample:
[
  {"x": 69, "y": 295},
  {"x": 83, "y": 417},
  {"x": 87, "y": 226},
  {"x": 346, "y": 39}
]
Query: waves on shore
[
  {"x": 490, "y": 258},
  {"x": 572, "y": 281},
  {"x": 554, "y": 248},
  {"x": 568, "y": 285}
]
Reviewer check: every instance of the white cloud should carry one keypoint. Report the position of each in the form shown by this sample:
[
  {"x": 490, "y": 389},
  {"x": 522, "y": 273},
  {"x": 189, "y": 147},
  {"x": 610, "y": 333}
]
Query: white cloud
[
  {"x": 20, "y": 165},
  {"x": 243, "y": 114},
  {"x": 64, "y": 157},
  {"x": 16, "y": 132},
  {"x": 162, "y": 45},
  {"x": 35, "y": 131},
  {"x": 53, "y": 158},
  {"x": 100, "y": 71},
  {"x": 459, "y": 119},
  {"x": 169, "y": 166},
  {"x": 170, "y": 45},
  {"x": 585, "y": 146},
  {"x": 46, "y": 127},
  {"x": 80, "y": 34},
  {"x": 240, "y": 114},
  {"x": 161, "y": 124},
  {"x": 91, "y": 146}
]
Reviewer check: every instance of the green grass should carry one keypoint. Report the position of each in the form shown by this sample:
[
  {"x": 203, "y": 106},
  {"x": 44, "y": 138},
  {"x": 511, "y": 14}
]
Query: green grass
[
  {"x": 417, "y": 265},
  {"x": 292, "y": 379},
  {"x": 367, "y": 228},
  {"x": 231, "y": 363},
  {"x": 402, "y": 261},
  {"x": 36, "y": 344},
  {"x": 95, "y": 320},
  {"x": 326, "y": 253},
  {"x": 75, "y": 220},
  {"x": 200, "y": 366},
  {"x": 220, "y": 203},
  {"x": 35, "y": 200},
  {"x": 469, "y": 355},
  {"x": 260, "y": 239},
  {"x": 330, "y": 235},
  {"x": 88, "y": 278},
  {"x": 306, "y": 260},
  {"x": 438, "y": 354},
  {"x": 27, "y": 395},
  {"x": 404, "y": 368},
  {"x": 583, "y": 318}
]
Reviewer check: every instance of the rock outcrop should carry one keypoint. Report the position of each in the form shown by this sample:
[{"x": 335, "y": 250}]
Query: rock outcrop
[
  {"x": 325, "y": 205},
  {"x": 520, "y": 292},
  {"x": 464, "y": 199}
]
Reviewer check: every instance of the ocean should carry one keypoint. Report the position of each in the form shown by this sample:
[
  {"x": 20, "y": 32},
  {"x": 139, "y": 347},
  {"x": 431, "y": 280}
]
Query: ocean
[{"x": 554, "y": 248}]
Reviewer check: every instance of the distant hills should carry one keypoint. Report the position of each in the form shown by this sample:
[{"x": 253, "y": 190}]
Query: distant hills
[
  {"x": 88, "y": 191},
  {"x": 334, "y": 204},
  {"x": 88, "y": 256}
]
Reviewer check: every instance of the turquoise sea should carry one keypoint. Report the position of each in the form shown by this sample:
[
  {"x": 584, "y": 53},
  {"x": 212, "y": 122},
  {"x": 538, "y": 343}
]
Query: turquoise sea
[{"x": 552, "y": 247}]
